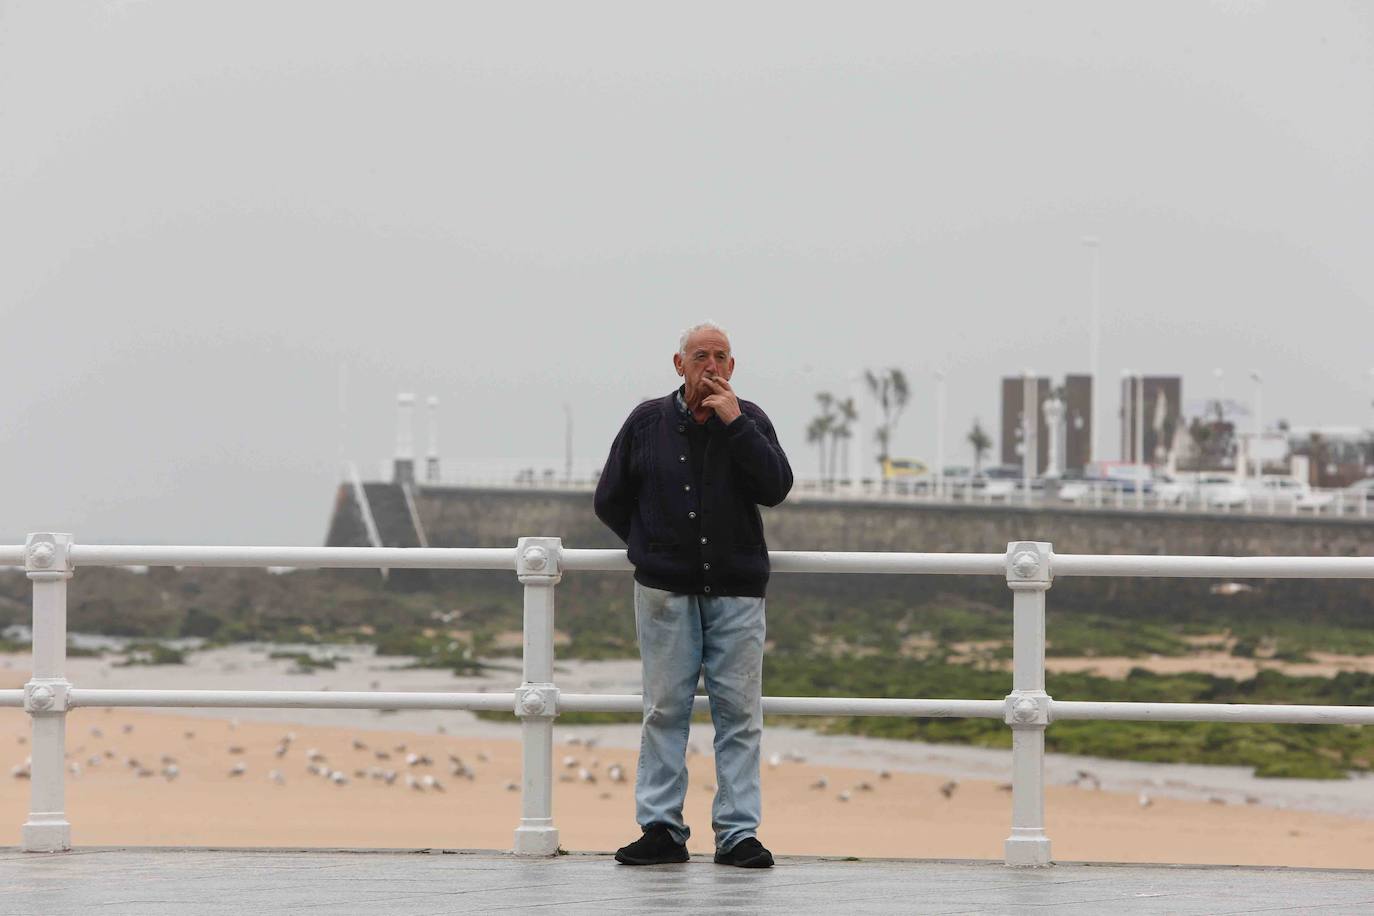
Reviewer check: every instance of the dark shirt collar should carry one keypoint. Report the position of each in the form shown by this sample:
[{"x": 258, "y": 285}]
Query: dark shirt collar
[
  {"x": 680, "y": 401},
  {"x": 685, "y": 413}
]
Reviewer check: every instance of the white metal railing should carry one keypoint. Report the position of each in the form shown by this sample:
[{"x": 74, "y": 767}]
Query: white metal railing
[{"x": 1029, "y": 568}]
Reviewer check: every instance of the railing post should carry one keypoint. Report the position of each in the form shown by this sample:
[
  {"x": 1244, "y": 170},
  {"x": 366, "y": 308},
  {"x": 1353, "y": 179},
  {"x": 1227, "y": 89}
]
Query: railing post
[
  {"x": 47, "y": 563},
  {"x": 539, "y": 565},
  {"x": 1029, "y": 574}
]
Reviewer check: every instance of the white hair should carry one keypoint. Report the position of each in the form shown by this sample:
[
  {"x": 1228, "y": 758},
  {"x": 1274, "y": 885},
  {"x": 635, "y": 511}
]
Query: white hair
[{"x": 704, "y": 326}]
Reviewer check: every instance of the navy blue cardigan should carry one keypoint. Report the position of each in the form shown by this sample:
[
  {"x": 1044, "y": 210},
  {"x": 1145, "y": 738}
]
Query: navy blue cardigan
[{"x": 701, "y": 540}]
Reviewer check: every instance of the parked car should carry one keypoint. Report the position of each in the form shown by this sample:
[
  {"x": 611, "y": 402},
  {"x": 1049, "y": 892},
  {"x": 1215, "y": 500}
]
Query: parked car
[
  {"x": 1014, "y": 473},
  {"x": 1289, "y": 492},
  {"x": 1217, "y": 490},
  {"x": 1173, "y": 489},
  {"x": 1359, "y": 493}
]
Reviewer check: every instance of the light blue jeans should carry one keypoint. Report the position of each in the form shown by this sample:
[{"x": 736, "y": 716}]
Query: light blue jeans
[{"x": 679, "y": 636}]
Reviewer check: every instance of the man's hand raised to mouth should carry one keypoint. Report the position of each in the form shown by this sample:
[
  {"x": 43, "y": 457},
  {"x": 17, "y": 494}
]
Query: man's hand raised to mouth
[{"x": 721, "y": 399}]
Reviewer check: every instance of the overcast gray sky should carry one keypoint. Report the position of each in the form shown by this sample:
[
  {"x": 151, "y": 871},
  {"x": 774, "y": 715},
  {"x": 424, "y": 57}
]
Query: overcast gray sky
[{"x": 206, "y": 209}]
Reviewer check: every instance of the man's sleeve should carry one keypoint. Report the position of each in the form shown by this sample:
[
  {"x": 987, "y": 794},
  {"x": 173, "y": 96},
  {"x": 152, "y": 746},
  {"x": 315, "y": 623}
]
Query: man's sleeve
[
  {"x": 615, "y": 489},
  {"x": 758, "y": 458}
]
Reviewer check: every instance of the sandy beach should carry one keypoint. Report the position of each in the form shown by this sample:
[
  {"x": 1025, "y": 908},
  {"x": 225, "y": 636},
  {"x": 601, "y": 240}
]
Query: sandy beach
[{"x": 1194, "y": 814}]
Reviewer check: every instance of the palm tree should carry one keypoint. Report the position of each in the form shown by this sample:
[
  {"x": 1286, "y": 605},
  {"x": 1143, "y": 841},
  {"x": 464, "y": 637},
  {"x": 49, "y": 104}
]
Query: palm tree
[
  {"x": 978, "y": 439},
  {"x": 841, "y": 431},
  {"x": 890, "y": 389},
  {"x": 816, "y": 432}
]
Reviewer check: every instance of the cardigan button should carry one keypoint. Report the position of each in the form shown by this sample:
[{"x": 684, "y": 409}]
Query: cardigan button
[
  {"x": 703, "y": 540},
  {"x": 708, "y": 589},
  {"x": 705, "y": 565},
  {"x": 681, "y": 457},
  {"x": 686, "y": 486},
  {"x": 691, "y": 515},
  {"x": 682, "y": 429}
]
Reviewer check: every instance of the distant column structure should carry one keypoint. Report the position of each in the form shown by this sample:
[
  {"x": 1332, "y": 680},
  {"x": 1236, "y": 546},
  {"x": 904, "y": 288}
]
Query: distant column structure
[
  {"x": 1013, "y": 405},
  {"x": 1078, "y": 421},
  {"x": 1054, "y": 423},
  {"x": 432, "y": 456},
  {"x": 1160, "y": 418},
  {"x": 403, "y": 466}
]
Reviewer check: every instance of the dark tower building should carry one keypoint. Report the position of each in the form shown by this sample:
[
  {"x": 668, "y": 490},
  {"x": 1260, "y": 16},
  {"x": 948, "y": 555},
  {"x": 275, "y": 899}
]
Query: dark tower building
[
  {"x": 1162, "y": 414},
  {"x": 1013, "y": 402},
  {"x": 1078, "y": 422}
]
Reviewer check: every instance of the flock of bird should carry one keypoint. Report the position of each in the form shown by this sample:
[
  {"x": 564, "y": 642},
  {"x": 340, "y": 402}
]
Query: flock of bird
[
  {"x": 387, "y": 765},
  {"x": 390, "y": 765},
  {"x": 415, "y": 769}
]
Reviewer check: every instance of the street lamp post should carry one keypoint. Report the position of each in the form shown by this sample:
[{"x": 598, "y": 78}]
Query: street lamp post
[
  {"x": 1259, "y": 421},
  {"x": 1030, "y": 418},
  {"x": 1127, "y": 421},
  {"x": 1094, "y": 245},
  {"x": 1140, "y": 440},
  {"x": 939, "y": 433}
]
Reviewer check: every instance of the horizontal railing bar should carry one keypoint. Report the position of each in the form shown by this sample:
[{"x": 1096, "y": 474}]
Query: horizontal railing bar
[
  {"x": 1214, "y": 567},
  {"x": 584, "y": 559},
  {"x": 1238, "y": 713},
  {"x": 809, "y": 561},
  {"x": 783, "y": 561},
  {"x": 957, "y": 564},
  {"x": 804, "y": 706},
  {"x": 301, "y": 557},
  {"x": 292, "y": 699},
  {"x": 1064, "y": 710}
]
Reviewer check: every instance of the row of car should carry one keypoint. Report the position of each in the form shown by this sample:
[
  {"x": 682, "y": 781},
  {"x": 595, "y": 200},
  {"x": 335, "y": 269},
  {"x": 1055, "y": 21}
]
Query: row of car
[
  {"x": 1206, "y": 490},
  {"x": 1218, "y": 490}
]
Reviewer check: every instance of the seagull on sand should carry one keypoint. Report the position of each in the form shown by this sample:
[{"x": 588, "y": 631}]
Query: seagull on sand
[
  {"x": 820, "y": 783},
  {"x": 1089, "y": 778},
  {"x": 947, "y": 790},
  {"x": 238, "y": 769},
  {"x": 277, "y": 777},
  {"x": 616, "y": 773}
]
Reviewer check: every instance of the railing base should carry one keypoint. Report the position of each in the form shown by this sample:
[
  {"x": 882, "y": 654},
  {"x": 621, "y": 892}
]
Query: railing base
[
  {"x": 45, "y": 832},
  {"x": 1028, "y": 847},
  {"x": 536, "y": 840}
]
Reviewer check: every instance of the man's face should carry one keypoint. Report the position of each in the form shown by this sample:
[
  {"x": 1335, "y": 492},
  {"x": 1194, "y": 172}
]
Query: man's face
[{"x": 708, "y": 356}]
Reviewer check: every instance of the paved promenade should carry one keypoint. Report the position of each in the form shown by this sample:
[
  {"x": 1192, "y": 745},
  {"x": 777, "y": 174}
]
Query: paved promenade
[{"x": 152, "y": 882}]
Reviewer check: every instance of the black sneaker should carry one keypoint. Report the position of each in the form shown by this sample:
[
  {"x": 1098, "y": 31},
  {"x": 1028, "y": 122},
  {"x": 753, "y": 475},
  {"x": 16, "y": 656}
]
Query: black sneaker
[
  {"x": 655, "y": 847},
  {"x": 747, "y": 853}
]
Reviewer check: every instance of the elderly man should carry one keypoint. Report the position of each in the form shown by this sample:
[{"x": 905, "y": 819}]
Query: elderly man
[{"x": 682, "y": 487}]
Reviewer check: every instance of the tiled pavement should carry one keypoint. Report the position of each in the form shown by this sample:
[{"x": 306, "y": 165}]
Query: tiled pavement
[{"x": 151, "y": 882}]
